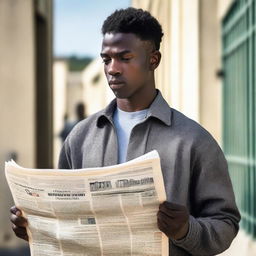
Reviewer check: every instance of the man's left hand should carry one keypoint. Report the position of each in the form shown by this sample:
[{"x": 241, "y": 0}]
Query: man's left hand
[{"x": 173, "y": 220}]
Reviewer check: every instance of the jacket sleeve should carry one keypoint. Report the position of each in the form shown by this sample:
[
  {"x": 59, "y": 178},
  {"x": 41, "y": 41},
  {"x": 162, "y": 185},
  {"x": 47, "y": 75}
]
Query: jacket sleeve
[
  {"x": 214, "y": 215},
  {"x": 64, "y": 157}
]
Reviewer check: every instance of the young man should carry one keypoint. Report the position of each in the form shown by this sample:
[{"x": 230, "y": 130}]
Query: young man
[{"x": 200, "y": 216}]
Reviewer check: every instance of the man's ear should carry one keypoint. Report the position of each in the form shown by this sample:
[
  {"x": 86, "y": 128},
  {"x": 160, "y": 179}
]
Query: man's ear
[{"x": 155, "y": 59}]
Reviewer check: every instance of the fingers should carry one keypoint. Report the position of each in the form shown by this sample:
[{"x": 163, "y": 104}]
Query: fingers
[
  {"x": 172, "y": 227},
  {"x": 18, "y": 220},
  {"x": 172, "y": 210},
  {"x": 163, "y": 226},
  {"x": 15, "y": 210},
  {"x": 20, "y": 232},
  {"x": 19, "y": 223},
  {"x": 166, "y": 221},
  {"x": 172, "y": 206},
  {"x": 172, "y": 219}
]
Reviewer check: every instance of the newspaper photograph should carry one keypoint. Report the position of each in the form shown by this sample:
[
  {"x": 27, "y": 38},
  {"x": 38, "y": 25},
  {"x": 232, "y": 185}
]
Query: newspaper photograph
[{"x": 96, "y": 211}]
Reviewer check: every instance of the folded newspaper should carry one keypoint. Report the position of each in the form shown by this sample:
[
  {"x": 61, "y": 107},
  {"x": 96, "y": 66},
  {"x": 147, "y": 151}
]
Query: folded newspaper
[{"x": 96, "y": 211}]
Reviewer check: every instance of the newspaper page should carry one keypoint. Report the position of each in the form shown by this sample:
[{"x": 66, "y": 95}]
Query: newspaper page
[{"x": 97, "y": 211}]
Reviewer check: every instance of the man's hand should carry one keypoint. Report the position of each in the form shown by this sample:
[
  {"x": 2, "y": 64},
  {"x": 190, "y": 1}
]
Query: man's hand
[
  {"x": 173, "y": 220},
  {"x": 19, "y": 223}
]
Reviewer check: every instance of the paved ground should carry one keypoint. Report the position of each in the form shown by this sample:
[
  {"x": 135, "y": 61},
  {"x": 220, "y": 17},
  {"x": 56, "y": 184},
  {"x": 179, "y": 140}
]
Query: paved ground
[
  {"x": 15, "y": 252},
  {"x": 242, "y": 245}
]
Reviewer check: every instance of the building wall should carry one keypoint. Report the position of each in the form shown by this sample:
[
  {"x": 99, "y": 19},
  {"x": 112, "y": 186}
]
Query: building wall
[
  {"x": 193, "y": 87},
  {"x": 17, "y": 98},
  {"x": 243, "y": 244},
  {"x": 25, "y": 50},
  {"x": 178, "y": 74},
  {"x": 161, "y": 10},
  {"x": 96, "y": 92},
  {"x": 43, "y": 83},
  {"x": 60, "y": 73},
  {"x": 74, "y": 93},
  {"x": 190, "y": 51},
  {"x": 191, "y": 57},
  {"x": 223, "y": 6},
  {"x": 209, "y": 64}
]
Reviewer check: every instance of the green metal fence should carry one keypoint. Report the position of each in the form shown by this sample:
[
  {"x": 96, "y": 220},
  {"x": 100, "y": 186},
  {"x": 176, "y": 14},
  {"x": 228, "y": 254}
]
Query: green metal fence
[{"x": 239, "y": 109}]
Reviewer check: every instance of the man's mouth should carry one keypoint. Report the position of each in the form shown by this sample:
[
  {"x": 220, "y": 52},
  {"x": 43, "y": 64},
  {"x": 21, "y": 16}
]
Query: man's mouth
[
  {"x": 115, "y": 85},
  {"x": 115, "y": 82}
]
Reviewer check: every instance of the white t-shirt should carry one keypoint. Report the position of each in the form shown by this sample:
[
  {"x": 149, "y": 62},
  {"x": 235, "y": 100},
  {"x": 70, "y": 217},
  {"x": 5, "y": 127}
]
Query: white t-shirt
[{"x": 124, "y": 122}]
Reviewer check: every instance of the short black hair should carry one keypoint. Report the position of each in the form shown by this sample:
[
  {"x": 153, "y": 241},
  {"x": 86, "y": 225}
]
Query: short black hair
[{"x": 136, "y": 21}]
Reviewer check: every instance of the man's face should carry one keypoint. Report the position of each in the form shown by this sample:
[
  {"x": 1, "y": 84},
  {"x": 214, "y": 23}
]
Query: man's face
[{"x": 126, "y": 64}]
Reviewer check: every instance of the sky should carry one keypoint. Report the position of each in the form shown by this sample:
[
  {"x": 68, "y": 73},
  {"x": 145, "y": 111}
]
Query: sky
[{"x": 77, "y": 25}]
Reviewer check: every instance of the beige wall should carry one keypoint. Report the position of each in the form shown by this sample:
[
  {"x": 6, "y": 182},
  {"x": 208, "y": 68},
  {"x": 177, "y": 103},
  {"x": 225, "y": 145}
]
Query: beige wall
[
  {"x": 177, "y": 76},
  {"x": 190, "y": 50},
  {"x": 74, "y": 93},
  {"x": 209, "y": 64},
  {"x": 60, "y": 73},
  {"x": 193, "y": 30},
  {"x": 96, "y": 92},
  {"x": 243, "y": 245},
  {"x": 20, "y": 26},
  {"x": 161, "y": 9},
  {"x": 184, "y": 57},
  {"x": 223, "y": 6},
  {"x": 17, "y": 97},
  {"x": 43, "y": 83}
]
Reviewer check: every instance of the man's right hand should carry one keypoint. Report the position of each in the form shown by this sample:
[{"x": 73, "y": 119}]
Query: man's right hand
[{"x": 19, "y": 223}]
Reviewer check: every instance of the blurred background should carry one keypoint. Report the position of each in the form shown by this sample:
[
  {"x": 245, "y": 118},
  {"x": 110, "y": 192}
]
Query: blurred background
[{"x": 51, "y": 76}]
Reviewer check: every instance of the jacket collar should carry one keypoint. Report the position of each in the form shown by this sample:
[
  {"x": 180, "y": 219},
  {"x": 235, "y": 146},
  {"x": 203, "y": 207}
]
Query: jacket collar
[{"x": 158, "y": 109}]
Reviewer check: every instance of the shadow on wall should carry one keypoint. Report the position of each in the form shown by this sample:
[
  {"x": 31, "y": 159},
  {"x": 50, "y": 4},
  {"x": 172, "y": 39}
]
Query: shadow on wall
[{"x": 24, "y": 251}]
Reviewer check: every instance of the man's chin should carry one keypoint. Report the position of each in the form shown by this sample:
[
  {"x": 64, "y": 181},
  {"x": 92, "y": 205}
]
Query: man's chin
[{"x": 120, "y": 95}]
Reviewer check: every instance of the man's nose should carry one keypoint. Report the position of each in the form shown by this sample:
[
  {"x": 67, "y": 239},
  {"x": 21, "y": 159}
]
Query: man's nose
[{"x": 114, "y": 68}]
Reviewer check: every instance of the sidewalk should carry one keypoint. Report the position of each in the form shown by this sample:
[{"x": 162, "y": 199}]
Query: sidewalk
[
  {"x": 24, "y": 251},
  {"x": 243, "y": 245}
]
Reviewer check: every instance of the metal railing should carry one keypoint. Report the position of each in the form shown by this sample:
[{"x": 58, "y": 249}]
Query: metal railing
[{"x": 239, "y": 109}]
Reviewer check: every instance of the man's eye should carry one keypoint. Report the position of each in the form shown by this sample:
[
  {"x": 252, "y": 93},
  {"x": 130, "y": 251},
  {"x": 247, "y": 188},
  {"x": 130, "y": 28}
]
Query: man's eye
[
  {"x": 105, "y": 61},
  {"x": 126, "y": 58}
]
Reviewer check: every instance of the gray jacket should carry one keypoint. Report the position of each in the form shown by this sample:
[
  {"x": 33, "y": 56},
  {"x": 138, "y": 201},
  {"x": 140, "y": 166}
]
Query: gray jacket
[{"x": 194, "y": 169}]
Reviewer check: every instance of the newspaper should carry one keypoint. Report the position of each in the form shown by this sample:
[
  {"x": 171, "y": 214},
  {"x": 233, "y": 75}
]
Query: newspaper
[{"x": 95, "y": 211}]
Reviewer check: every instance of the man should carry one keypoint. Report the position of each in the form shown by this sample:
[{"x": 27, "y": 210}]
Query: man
[
  {"x": 200, "y": 216},
  {"x": 68, "y": 126}
]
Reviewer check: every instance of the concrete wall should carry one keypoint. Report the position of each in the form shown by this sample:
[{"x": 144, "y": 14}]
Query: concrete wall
[
  {"x": 223, "y": 6},
  {"x": 96, "y": 92},
  {"x": 17, "y": 98},
  {"x": 194, "y": 36},
  {"x": 184, "y": 55},
  {"x": 209, "y": 64},
  {"x": 178, "y": 74},
  {"x": 243, "y": 244},
  {"x": 190, "y": 50},
  {"x": 44, "y": 90},
  {"x": 60, "y": 73},
  {"x": 161, "y": 9},
  {"x": 25, "y": 50},
  {"x": 74, "y": 93}
]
